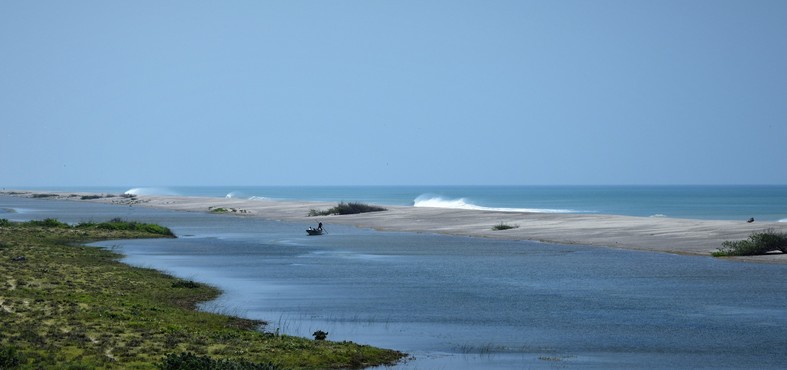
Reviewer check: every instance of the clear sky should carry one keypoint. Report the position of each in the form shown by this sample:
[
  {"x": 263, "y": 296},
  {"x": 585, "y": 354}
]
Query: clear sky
[{"x": 145, "y": 93}]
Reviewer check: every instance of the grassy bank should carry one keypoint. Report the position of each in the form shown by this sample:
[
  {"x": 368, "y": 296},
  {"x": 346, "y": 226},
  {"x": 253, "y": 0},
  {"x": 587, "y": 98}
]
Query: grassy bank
[{"x": 68, "y": 306}]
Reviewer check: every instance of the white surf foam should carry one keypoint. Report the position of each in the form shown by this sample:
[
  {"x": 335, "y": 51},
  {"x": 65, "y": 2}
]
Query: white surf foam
[
  {"x": 436, "y": 201},
  {"x": 783, "y": 220},
  {"x": 151, "y": 191},
  {"x": 240, "y": 195}
]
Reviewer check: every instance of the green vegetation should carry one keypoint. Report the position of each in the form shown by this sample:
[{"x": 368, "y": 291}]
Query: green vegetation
[
  {"x": 68, "y": 306},
  {"x": 504, "y": 226},
  {"x": 94, "y": 196},
  {"x": 122, "y": 225},
  {"x": 190, "y": 361},
  {"x": 757, "y": 243},
  {"x": 347, "y": 209},
  {"x": 219, "y": 210}
]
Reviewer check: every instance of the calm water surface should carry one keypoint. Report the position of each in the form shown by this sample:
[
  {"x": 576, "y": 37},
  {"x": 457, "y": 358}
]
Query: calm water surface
[{"x": 455, "y": 302}]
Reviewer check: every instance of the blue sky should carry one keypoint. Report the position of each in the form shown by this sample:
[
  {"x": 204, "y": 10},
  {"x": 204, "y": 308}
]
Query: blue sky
[{"x": 151, "y": 93}]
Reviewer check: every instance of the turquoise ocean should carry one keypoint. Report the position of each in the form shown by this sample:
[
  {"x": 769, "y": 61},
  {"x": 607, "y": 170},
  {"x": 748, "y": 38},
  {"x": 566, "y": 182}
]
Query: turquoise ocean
[{"x": 720, "y": 202}]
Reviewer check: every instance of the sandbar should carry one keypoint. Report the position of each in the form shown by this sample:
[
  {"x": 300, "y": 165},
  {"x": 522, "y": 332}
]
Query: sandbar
[{"x": 659, "y": 234}]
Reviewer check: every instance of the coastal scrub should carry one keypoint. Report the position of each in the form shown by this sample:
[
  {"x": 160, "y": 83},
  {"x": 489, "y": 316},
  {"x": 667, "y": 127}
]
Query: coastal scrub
[
  {"x": 347, "y": 209},
  {"x": 504, "y": 226},
  {"x": 68, "y": 306},
  {"x": 758, "y": 243}
]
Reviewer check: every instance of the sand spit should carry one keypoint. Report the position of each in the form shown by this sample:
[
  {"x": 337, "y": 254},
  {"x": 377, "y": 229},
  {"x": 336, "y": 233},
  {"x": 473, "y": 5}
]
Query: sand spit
[{"x": 669, "y": 235}]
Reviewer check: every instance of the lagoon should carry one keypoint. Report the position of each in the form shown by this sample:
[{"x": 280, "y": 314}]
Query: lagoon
[{"x": 459, "y": 302}]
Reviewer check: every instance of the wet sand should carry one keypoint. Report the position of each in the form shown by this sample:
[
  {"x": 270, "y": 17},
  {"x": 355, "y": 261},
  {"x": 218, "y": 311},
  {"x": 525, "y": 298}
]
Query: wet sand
[{"x": 661, "y": 234}]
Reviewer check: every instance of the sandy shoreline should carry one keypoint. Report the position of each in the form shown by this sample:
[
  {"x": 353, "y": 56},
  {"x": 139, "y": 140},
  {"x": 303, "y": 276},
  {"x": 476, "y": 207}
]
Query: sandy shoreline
[{"x": 669, "y": 235}]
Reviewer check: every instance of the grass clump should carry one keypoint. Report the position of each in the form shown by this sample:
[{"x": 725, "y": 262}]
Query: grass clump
[
  {"x": 757, "y": 244},
  {"x": 49, "y": 222},
  {"x": 9, "y": 359},
  {"x": 219, "y": 210},
  {"x": 185, "y": 284},
  {"x": 123, "y": 225},
  {"x": 67, "y": 306},
  {"x": 504, "y": 226},
  {"x": 347, "y": 209},
  {"x": 190, "y": 361}
]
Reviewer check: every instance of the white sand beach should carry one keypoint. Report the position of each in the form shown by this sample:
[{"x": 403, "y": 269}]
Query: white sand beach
[{"x": 669, "y": 235}]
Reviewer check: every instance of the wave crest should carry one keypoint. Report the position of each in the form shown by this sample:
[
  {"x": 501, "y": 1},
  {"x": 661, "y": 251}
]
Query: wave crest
[
  {"x": 150, "y": 191},
  {"x": 241, "y": 195},
  {"x": 436, "y": 201}
]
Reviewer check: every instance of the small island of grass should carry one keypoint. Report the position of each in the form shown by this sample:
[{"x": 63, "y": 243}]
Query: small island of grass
[
  {"x": 347, "y": 209},
  {"x": 69, "y": 306}
]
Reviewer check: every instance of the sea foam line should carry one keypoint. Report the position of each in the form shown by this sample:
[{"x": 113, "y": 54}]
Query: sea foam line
[
  {"x": 435, "y": 201},
  {"x": 240, "y": 195},
  {"x": 150, "y": 191}
]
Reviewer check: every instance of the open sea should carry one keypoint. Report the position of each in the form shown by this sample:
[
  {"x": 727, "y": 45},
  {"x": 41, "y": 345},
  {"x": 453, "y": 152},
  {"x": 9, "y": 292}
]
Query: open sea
[
  {"x": 474, "y": 303},
  {"x": 721, "y": 202}
]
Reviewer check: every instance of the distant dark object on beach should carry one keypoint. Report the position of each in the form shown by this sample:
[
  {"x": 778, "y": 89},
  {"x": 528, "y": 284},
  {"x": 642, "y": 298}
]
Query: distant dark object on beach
[
  {"x": 750, "y": 220},
  {"x": 320, "y": 335},
  {"x": 347, "y": 209}
]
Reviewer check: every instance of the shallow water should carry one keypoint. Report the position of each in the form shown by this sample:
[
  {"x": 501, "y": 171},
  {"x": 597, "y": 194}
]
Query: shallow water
[{"x": 455, "y": 302}]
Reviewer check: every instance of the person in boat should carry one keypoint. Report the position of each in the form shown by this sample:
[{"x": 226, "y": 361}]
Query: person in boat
[{"x": 319, "y": 226}]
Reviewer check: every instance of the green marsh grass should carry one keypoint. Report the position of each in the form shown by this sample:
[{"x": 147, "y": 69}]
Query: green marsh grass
[{"x": 69, "y": 306}]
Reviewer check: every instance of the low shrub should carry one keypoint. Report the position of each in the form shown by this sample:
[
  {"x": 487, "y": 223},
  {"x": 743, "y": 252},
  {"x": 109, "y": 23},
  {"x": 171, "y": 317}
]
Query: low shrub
[
  {"x": 49, "y": 222},
  {"x": 9, "y": 359},
  {"x": 185, "y": 284},
  {"x": 347, "y": 209},
  {"x": 190, "y": 361},
  {"x": 757, "y": 244},
  {"x": 4, "y": 222},
  {"x": 504, "y": 226}
]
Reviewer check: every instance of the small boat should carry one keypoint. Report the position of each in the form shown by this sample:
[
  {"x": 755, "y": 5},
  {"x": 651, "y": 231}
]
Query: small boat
[{"x": 312, "y": 231}]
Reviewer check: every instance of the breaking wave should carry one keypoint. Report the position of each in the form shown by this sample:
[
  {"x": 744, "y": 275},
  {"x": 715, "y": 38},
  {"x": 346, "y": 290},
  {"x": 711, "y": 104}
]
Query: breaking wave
[
  {"x": 783, "y": 220},
  {"x": 151, "y": 191},
  {"x": 240, "y": 195},
  {"x": 436, "y": 201}
]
